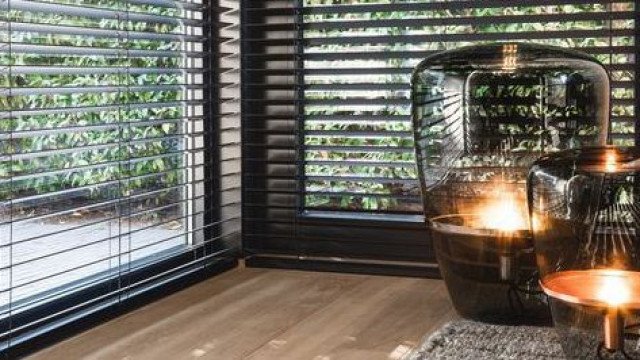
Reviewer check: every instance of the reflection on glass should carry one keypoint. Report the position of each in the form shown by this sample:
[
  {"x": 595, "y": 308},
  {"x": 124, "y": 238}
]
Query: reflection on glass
[
  {"x": 94, "y": 176},
  {"x": 481, "y": 116},
  {"x": 587, "y": 246}
]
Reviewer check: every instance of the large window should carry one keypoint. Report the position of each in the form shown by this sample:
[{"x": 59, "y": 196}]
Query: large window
[
  {"x": 327, "y": 146},
  {"x": 358, "y": 55},
  {"x": 106, "y": 146}
]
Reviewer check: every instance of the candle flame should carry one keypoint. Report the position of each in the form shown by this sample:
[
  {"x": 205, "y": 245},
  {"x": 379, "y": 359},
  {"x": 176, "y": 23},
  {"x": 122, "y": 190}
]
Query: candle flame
[
  {"x": 503, "y": 214},
  {"x": 614, "y": 290},
  {"x": 536, "y": 222},
  {"x": 611, "y": 161}
]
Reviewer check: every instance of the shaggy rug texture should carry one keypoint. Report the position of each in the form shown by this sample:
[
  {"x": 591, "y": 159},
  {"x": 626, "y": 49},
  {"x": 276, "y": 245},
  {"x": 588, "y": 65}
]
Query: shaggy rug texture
[
  {"x": 463, "y": 339},
  {"x": 470, "y": 340}
]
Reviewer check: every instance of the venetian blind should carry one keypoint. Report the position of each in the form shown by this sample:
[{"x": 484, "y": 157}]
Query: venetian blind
[{"x": 119, "y": 154}]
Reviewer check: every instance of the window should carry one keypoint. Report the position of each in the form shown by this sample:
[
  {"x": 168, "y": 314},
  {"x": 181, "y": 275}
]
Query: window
[
  {"x": 357, "y": 59},
  {"x": 107, "y": 150},
  {"x": 327, "y": 147}
]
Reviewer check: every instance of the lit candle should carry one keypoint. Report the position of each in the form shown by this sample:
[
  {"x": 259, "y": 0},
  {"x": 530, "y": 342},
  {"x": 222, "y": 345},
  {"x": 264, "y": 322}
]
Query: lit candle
[
  {"x": 505, "y": 216},
  {"x": 614, "y": 292},
  {"x": 611, "y": 161},
  {"x": 610, "y": 289}
]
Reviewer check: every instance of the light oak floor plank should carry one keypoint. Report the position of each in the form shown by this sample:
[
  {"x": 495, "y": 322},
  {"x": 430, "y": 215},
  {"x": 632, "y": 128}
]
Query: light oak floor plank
[{"x": 265, "y": 314}]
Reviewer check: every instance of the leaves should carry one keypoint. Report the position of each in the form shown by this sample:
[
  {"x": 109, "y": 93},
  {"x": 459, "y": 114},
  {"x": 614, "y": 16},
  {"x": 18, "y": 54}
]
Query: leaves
[
  {"x": 94, "y": 146},
  {"x": 357, "y": 118}
]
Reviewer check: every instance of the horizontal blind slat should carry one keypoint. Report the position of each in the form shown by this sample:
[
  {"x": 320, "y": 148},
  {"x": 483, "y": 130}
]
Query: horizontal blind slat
[
  {"x": 105, "y": 117},
  {"x": 338, "y": 37}
]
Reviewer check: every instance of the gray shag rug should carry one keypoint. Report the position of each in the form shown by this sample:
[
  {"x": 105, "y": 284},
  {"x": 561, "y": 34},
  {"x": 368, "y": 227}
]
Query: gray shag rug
[{"x": 463, "y": 339}]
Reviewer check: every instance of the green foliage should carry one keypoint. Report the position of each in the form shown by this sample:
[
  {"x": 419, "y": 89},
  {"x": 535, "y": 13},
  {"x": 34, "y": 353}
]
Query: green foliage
[
  {"x": 111, "y": 133},
  {"x": 389, "y": 178}
]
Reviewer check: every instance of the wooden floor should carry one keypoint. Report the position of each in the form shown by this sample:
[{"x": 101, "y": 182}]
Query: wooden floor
[{"x": 272, "y": 314}]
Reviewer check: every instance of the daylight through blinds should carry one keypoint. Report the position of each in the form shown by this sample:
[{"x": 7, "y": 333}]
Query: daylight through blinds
[
  {"x": 357, "y": 57},
  {"x": 106, "y": 124}
]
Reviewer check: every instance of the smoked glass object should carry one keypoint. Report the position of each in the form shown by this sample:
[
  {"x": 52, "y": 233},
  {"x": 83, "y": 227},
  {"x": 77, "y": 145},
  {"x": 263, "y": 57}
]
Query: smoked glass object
[
  {"x": 482, "y": 115},
  {"x": 585, "y": 214}
]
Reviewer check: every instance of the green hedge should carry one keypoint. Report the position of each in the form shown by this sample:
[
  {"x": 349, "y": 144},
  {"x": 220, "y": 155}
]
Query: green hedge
[{"x": 111, "y": 150}]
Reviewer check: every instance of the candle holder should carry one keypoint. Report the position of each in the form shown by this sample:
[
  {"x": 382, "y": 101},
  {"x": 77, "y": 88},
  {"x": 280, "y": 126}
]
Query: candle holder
[
  {"x": 482, "y": 115},
  {"x": 490, "y": 273},
  {"x": 585, "y": 216}
]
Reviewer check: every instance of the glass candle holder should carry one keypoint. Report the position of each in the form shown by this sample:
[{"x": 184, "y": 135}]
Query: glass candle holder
[
  {"x": 482, "y": 115},
  {"x": 585, "y": 216}
]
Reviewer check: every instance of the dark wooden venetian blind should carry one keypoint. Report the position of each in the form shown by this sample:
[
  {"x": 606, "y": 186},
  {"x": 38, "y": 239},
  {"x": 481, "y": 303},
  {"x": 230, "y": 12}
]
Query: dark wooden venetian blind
[{"x": 326, "y": 104}]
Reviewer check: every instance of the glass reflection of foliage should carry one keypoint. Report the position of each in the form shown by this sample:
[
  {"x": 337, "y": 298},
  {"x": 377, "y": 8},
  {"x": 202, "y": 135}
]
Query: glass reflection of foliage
[
  {"x": 479, "y": 122},
  {"x": 478, "y": 127},
  {"x": 396, "y": 166},
  {"x": 585, "y": 211}
]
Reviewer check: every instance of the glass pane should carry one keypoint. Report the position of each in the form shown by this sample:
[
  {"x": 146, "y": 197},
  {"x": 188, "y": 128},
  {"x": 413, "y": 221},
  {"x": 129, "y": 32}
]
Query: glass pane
[
  {"x": 95, "y": 108},
  {"x": 358, "y": 66}
]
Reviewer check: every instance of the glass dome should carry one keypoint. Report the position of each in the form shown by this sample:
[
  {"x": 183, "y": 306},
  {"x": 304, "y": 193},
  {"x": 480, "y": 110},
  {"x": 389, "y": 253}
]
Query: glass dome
[
  {"x": 482, "y": 115},
  {"x": 585, "y": 218}
]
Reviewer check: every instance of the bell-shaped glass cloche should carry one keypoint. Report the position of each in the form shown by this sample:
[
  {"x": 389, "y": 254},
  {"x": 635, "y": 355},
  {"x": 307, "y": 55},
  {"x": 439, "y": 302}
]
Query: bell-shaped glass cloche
[
  {"x": 482, "y": 115},
  {"x": 585, "y": 215}
]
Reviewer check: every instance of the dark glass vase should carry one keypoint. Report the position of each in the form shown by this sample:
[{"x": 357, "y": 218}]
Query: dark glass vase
[
  {"x": 482, "y": 115},
  {"x": 585, "y": 211}
]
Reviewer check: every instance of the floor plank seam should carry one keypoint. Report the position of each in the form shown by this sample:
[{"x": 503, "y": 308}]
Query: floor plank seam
[
  {"x": 303, "y": 319},
  {"x": 328, "y": 321}
]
